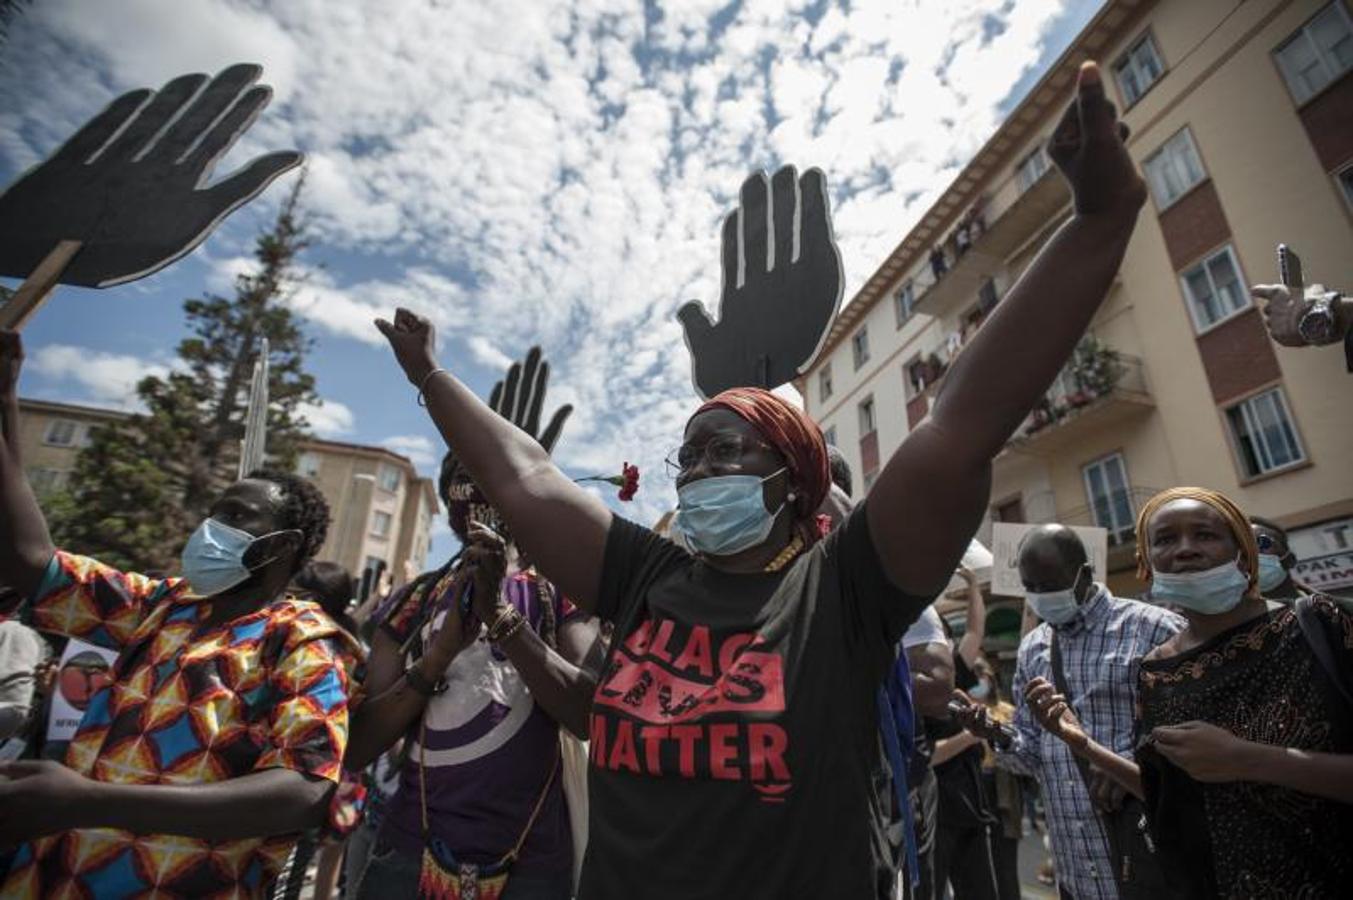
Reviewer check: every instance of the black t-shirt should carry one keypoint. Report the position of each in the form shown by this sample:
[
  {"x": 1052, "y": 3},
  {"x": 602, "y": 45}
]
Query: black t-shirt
[
  {"x": 962, "y": 799},
  {"x": 734, "y": 733}
]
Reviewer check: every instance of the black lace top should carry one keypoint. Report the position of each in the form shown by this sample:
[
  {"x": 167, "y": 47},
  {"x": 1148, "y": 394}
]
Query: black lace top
[{"x": 1262, "y": 682}]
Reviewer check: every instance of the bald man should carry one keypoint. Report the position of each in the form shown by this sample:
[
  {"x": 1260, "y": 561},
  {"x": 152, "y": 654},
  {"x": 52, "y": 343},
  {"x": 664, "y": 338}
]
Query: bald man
[{"x": 1101, "y": 639}]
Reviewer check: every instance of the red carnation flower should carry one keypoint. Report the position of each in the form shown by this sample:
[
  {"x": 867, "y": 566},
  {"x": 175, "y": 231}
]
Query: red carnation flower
[{"x": 627, "y": 481}]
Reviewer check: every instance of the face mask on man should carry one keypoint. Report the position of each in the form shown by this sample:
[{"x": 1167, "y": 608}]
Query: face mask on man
[
  {"x": 724, "y": 514},
  {"x": 1271, "y": 572},
  {"x": 213, "y": 558},
  {"x": 980, "y": 691},
  {"x": 1210, "y": 592},
  {"x": 1056, "y": 607}
]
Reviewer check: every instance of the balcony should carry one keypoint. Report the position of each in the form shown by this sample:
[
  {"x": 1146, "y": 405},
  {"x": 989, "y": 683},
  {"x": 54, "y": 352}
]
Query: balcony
[
  {"x": 1032, "y": 211},
  {"x": 1100, "y": 388}
]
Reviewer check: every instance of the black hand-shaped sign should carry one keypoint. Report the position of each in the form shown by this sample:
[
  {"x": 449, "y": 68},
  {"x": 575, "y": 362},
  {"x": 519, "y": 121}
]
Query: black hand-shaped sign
[
  {"x": 129, "y": 185},
  {"x": 520, "y": 398},
  {"x": 782, "y": 286}
]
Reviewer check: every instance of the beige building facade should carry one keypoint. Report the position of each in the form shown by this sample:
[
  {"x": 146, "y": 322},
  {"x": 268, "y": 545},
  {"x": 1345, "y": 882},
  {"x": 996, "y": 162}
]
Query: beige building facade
[
  {"x": 382, "y": 509},
  {"x": 1242, "y": 122}
]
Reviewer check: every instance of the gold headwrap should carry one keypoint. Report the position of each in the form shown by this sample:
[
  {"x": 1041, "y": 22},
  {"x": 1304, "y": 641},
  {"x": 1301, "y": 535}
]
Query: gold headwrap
[{"x": 1235, "y": 519}]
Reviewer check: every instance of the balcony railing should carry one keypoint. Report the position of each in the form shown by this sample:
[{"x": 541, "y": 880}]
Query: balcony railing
[
  {"x": 1097, "y": 388},
  {"x": 1009, "y": 229}
]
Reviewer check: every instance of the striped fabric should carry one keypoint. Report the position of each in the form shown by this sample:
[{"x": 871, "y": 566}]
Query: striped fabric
[{"x": 1101, "y": 648}]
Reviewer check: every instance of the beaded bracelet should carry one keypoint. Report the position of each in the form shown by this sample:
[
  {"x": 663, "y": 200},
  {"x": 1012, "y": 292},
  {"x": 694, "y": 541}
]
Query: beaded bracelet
[
  {"x": 422, "y": 400},
  {"x": 508, "y": 623}
]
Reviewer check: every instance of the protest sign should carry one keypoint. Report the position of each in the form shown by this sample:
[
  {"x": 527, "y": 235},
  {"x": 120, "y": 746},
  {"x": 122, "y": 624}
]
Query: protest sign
[
  {"x": 127, "y": 195},
  {"x": 782, "y": 287},
  {"x": 1005, "y": 540}
]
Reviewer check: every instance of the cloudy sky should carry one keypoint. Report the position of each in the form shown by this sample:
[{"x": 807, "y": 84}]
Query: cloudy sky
[{"x": 522, "y": 172}]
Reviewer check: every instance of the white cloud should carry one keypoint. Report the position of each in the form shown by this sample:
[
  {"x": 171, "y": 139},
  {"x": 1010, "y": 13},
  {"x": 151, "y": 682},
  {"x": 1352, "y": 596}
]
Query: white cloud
[
  {"x": 97, "y": 377},
  {"x": 328, "y": 418},
  {"x": 420, "y": 451},
  {"x": 483, "y": 349}
]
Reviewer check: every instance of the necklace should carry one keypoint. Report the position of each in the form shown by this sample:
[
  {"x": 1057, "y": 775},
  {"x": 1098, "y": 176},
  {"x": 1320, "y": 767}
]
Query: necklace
[{"x": 785, "y": 556}]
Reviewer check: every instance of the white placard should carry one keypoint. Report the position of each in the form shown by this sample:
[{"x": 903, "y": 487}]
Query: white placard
[
  {"x": 1005, "y": 538},
  {"x": 977, "y": 558},
  {"x": 84, "y": 669}
]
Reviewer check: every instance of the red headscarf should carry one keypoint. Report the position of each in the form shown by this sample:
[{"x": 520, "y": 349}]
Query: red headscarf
[{"x": 791, "y": 432}]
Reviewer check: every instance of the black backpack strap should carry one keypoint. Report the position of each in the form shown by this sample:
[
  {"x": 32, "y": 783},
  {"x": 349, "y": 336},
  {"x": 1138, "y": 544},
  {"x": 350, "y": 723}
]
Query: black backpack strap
[
  {"x": 1318, "y": 639},
  {"x": 1059, "y": 682}
]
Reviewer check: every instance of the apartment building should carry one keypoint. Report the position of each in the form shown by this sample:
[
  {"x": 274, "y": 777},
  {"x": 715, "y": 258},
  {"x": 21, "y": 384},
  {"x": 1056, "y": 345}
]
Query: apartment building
[
  {"x": 382, "y": 509},
  {"x": 1242, "y": 122}
]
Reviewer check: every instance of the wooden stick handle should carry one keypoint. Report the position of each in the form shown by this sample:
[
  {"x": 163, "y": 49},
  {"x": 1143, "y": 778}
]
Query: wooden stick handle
[{"x": 37, "y": 287}]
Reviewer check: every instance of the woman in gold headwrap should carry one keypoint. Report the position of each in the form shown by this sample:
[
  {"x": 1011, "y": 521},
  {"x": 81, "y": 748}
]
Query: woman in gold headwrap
[{"x": 1246, "y": 753}]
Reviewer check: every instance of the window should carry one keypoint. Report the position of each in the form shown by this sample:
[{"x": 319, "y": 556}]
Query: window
[
  {"x": 1263, "y": 432},
  {"x": 830, "y": 436},
  {"x": 916, "y": 376},
  {"x": 62, "y": 433},
  {"x": 987, "y": 298},
  {"x": 1030, "y": 169},
  {"x": 1317, "y": 54},
  {"x": 859, "y": 344},
  {"x": 1138, "y": 69},
  {"x": 45, "y": 481},
  {"x": 1106, "y": 486},
  {"x": 867, "y": 416},
  {"x": 906, "y": 297},
  {"x": 1009, "y": 511},
  {"x": 307, "y": 465},
  {"x": 1214, "y": 289},
  {"x": 824, "y": 383},
  {"x": 380, "y": 524},
  {"x": 388, "y": 477},
  {"x": 1173, "y": 169},
  {"x": 1345, "y": 179}
]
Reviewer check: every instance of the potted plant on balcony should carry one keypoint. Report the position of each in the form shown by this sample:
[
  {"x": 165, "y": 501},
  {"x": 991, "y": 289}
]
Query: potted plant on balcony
[{"x": 1095, "y": 368}]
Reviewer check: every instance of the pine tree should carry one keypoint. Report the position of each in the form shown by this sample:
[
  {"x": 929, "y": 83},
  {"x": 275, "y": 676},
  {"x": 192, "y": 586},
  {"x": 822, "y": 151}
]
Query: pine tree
[{"x": 142, "y": 485}]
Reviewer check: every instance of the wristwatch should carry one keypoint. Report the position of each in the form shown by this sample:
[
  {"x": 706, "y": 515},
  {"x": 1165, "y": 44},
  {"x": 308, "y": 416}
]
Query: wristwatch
[{"x": 1318, "y": 326}]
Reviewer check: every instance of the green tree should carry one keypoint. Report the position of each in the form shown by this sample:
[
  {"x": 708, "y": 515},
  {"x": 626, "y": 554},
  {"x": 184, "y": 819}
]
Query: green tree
[{"x": 142, "y": 485}]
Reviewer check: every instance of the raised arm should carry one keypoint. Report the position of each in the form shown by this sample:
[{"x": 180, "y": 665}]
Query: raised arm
[
  {"x": 25, "y": 546},
  {"x": 975, "y": 630},
  {"x": 560, "y": 526},
  {"x": 930, "y": 496}
]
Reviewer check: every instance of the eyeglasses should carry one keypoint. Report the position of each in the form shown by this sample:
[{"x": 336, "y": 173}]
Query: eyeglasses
[{"x": 720, "y": 450}]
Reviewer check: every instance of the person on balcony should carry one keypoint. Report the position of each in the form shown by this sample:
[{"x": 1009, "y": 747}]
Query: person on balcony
[{"x": 937, "y": 264}]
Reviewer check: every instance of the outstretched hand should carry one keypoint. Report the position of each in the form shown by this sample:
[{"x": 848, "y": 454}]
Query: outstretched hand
[
  {"x": 520, "y": 397},
  {"x": 1089, "y": 148},
  {"x": 1054, "y": 713},
  {"x": 782, "y": 285},
  {"x": 413, "y": 339},
  {"x": 139, "y": 202}
]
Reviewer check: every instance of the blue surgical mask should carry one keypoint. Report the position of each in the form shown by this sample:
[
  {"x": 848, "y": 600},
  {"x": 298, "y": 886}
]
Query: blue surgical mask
[
  {"x": 980, "y": 691},
  {"x": 1271, "y": 572},
  {"x": 1056, "y": 607},
  {"x": 1210, "y": 592},
  {"x": 213, "y": 558},
  {"x": 724, "y": 514}
]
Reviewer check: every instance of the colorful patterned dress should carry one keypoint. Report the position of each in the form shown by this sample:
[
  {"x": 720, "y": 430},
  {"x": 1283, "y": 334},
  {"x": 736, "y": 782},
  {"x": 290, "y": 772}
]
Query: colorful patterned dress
[{"x": 190, "y": 703}]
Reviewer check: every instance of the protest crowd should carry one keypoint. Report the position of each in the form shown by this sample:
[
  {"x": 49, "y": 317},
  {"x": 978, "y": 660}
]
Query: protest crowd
[{"x": 755, "y": 698}]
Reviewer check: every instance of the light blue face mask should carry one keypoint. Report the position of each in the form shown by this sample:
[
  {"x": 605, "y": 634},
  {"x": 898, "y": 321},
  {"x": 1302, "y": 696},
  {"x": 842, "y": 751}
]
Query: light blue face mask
[
  {"x": 1056, "y": 607},
  {"x": 724, "y": 514},
  {"x": 1271, "y": 572},
  {"x": 1210, "y": 592},
  {"x": 213, "y": 558}
]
